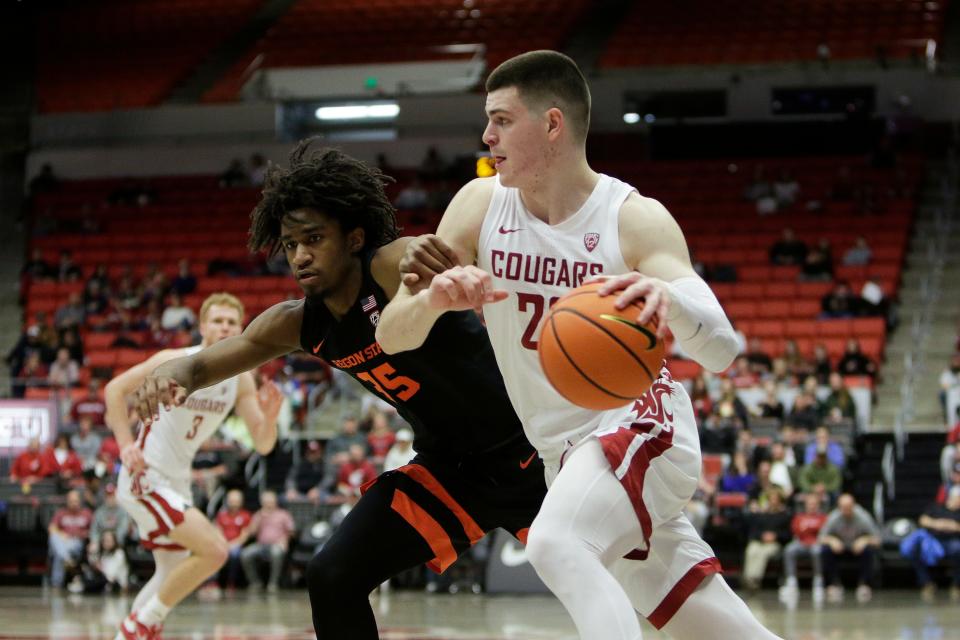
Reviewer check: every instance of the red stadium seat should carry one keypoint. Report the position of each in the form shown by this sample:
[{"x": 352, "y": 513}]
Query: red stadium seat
[{"x": 834, "y": 328}]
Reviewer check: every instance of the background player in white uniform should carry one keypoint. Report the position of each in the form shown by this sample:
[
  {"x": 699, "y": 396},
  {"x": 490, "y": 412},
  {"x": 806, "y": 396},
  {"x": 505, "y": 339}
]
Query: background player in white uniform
[
  {"x": 543, "y": 226},
  {"x": 154, "y": 483}
]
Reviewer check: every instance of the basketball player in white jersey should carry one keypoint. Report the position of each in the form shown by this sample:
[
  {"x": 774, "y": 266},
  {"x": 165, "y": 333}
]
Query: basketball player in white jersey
[
  {"x": 154, "y": 483},
  {"x": 611, "y": 536}
]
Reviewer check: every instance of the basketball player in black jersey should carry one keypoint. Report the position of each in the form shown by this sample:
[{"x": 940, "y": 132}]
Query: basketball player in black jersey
[{"x": 474, "y": 470}]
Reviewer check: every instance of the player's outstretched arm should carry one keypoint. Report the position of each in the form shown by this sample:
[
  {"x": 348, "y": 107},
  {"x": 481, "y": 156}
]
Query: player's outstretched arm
[
  {"x": 259, "y": 410},
  {"x": 654, "y": 246},
  {"x": 273, "y": 333},
  {"x": 407, "y": 320}
]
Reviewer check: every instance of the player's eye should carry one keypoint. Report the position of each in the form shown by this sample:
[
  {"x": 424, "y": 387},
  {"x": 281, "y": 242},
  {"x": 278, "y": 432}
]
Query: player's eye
[
  {"x": 315, "y": 238},
  {"x": 290, "y": 245}
]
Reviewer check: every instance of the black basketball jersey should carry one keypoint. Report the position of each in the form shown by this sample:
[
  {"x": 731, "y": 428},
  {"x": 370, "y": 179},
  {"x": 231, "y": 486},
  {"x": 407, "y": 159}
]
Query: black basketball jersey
[{"x": 449, "y": 389}]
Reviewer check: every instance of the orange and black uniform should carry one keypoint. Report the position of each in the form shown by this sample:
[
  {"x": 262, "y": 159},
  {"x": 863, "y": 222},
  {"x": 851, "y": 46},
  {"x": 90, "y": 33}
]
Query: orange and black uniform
[{"x": 474, "y": 470}]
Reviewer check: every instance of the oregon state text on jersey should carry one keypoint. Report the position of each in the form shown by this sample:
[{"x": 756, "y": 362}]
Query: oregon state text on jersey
[
  {"x": 449, "y": 389},
  {"x": 537, "y": 263},
  {"x": 170, "y": 443}
]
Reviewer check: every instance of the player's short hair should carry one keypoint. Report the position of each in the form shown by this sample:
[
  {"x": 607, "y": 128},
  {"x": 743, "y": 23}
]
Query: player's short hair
[
  {"x": 547, "y": 79},
  {"x": 328, "y": 181},
  {"x": 224, "y": 300}
]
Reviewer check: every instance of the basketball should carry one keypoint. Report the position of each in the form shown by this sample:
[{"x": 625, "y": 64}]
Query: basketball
[{"x": 595, "y": 355}]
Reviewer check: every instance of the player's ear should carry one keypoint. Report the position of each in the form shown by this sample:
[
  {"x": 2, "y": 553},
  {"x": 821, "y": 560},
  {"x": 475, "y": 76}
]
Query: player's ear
[
  {"x": 356, "y": 239},
  {"x": 555, "y": 123}
]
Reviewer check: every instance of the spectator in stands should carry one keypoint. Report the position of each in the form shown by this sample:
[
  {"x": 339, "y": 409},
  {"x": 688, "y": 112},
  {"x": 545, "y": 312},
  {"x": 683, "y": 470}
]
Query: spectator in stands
[
  {"x": 64, "y": 460},
  {"x": 177, "y": 315},
  {"x": 70, "y": 315},
  {"x": 859, "y": 254},
  {"x": 401, "y": 452},
  {"x": 309, "y": 477},
  {"x": 50, "y": 338},
  {"x": 949, "y": 379},
  {"x": 32, "y": 373},
  {"x": 738, "y": 478},
  {"x": 380, "y": 438},
  {"x": 822, "y": 442},
  {"x": 759, "y": 187},
  {"x": 91, "y": 404},
  {"x": 154, "y": 288},
  {"x": 873, "y": 302},
  {"x": 30, "y": 465},
  {"x": 339, "y": 444},
  {"x": 36, "y": 268},
  {"x": 818, "y": 264},
  {"x": 839, "y": 401},
  {"x": 786, "y": 189},
  {"x": 235, "y": 175},
  {"x": 789, "y": 250},
  {"x": 94, "y": 298},
  {"x": 821, "y": 367},
  {"x": 942, "y": 523},
  {"x": 272, "y": 528},
  {"x": 207, "y": 470},
  {"x": 85, "y": 442},
  {"x": 852, "y": 532},
  {"x": 109, "y": 564},
  {"x": 109, "y": 450},
  {"x": 184, "y": 283},
  {"x": 412, "y": 197},
  {"x": 127, "y": 294},
  {"x": 741, "y": 374},
  {"x": 101, "y": 277},
  {"x": 64, "y": 372},
  {"x": 806, "y": 528},
  {"x": 355, "y": 472},
  {"x": 770, "y": 406},
  {"x": 109, "y": 516},
  {"x": 820, "y": 476},
  {"x": 804, "y": 414},
  {"x": 69, "y": 529},
  {"x": 839, "y": 303},
  {"x": 234, "y": 523},
  {"x": 70, "y": 340},
  {"x": 768, "y": 531},
  {"x": 45, "y": 181},
  {"x": 67, "y": 269},
  {"x": 856, "y": 363},
  {"x": 729, "y": 404},
  {"x": 759, "y": 360},
  {"x": 782, "y": 464},
  {"x": 700, "y": 398},
  {"x": 797, "y": 365},
  {"x": 433, "y": 166},
  {"x": 258, "y": 170},
  {"x": 29, "y": 342}
]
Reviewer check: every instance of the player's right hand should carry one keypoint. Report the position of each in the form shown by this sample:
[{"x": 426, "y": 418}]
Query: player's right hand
[
  {"x": 462, "y": 288},
  {"x": 425, "y": 257},
  {"x": 132, "y": 458},
  {"x": 157, "y": 391}
]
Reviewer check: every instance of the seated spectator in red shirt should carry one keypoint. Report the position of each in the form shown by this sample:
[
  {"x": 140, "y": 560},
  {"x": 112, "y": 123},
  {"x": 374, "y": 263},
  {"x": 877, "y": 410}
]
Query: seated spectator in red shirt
[
  {"x": 806, "y": 527},
  {"x": 32, "y": 373},
  {"x": 109, "y": 451},
  {"x": 273, "y": 528},
  {"x": 69, "y": 529},
  {"x": 741, "y": 374},
  {"x": 62, "y": 457},
  {"x": 234, "y": 523},
  {"x": 355, "y": 472},
  {"x": 30, "y": 465},
  {"x": 380, "y": 438},
  {"x": 91, "y": 404}
]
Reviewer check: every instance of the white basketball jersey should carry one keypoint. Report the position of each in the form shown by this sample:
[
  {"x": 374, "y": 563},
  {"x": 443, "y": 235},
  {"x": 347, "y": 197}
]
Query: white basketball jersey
[
  {"x": 170, "y": 443},
  {"x": 538, "y": 263}
]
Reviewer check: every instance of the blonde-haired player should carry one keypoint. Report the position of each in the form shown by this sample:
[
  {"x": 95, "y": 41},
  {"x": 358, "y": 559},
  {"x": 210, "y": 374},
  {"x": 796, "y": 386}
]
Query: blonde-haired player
[{"x": 154, "y": 483}]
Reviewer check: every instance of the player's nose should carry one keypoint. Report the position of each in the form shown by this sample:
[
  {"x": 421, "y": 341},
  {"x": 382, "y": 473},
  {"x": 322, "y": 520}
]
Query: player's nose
[{"x": 488, "y": 137}]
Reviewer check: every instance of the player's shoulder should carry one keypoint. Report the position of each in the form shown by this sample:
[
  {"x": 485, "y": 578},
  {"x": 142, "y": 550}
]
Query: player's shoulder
[
  {"x": 475, "y": 195},
  {"x": 644, "y": 213}
]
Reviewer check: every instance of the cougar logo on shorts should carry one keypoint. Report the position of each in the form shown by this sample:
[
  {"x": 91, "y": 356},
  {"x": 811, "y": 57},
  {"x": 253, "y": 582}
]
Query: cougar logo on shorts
[
  {"x": 591, "y": 240},
  {"x": 650, "y": 407}
]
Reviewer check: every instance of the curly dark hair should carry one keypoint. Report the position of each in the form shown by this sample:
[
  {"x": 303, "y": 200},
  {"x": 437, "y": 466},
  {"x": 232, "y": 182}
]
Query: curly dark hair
[{"x": 330, "y": 182}]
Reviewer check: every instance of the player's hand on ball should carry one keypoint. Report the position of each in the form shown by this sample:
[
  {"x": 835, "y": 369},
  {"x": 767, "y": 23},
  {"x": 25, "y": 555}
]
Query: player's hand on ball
[
  {"x": 425, "y": 257},
  {"x": 157, "y": 391},
  {"x": 462, "y": 288},
  {"x": 634, "y": 286},
  {"x": 132, "y": 458}
]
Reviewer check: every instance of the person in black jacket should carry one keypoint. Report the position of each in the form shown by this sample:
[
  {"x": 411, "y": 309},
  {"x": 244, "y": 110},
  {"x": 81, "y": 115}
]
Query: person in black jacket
[{"x": 769, "y": 530}]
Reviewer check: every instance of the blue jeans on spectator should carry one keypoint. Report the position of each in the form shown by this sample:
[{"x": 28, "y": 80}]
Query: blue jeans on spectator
[
  {"x": 62, "y": 550},
  {"x": 952, "y": 548}
]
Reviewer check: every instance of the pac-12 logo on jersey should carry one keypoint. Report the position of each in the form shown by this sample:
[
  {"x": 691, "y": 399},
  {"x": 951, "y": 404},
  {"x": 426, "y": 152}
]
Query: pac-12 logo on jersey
[{"x": 591, "y": 240}]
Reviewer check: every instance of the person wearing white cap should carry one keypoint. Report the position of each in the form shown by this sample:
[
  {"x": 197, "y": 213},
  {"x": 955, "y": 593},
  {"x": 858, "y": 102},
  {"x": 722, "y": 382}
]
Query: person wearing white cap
[{"x": 401, "y": 452}]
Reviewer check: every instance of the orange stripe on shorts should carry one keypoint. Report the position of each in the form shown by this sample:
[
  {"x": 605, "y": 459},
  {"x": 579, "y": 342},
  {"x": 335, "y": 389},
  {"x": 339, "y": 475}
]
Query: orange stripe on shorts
[
  {"x": 431, "y": 484},
  {"x": 428, "y": 528}
]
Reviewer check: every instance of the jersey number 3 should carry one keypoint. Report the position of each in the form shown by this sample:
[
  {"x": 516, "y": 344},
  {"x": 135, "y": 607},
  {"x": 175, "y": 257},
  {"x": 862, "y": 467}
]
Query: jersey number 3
[
  {"x": 195, "y": 427},
  {"x": 383, "y": 378},
  {"x": 526, "y": 300}
]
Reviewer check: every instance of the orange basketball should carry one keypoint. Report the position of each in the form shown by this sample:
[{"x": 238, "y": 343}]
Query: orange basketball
[{"x": 596, "y": 355}]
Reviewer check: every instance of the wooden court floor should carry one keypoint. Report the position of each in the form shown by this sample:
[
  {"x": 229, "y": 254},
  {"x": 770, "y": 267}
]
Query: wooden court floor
[{"x": 31, "y": 613}]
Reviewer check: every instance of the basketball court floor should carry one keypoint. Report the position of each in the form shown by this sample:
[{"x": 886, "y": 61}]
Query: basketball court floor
[{"x": 32, "y": 613}]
